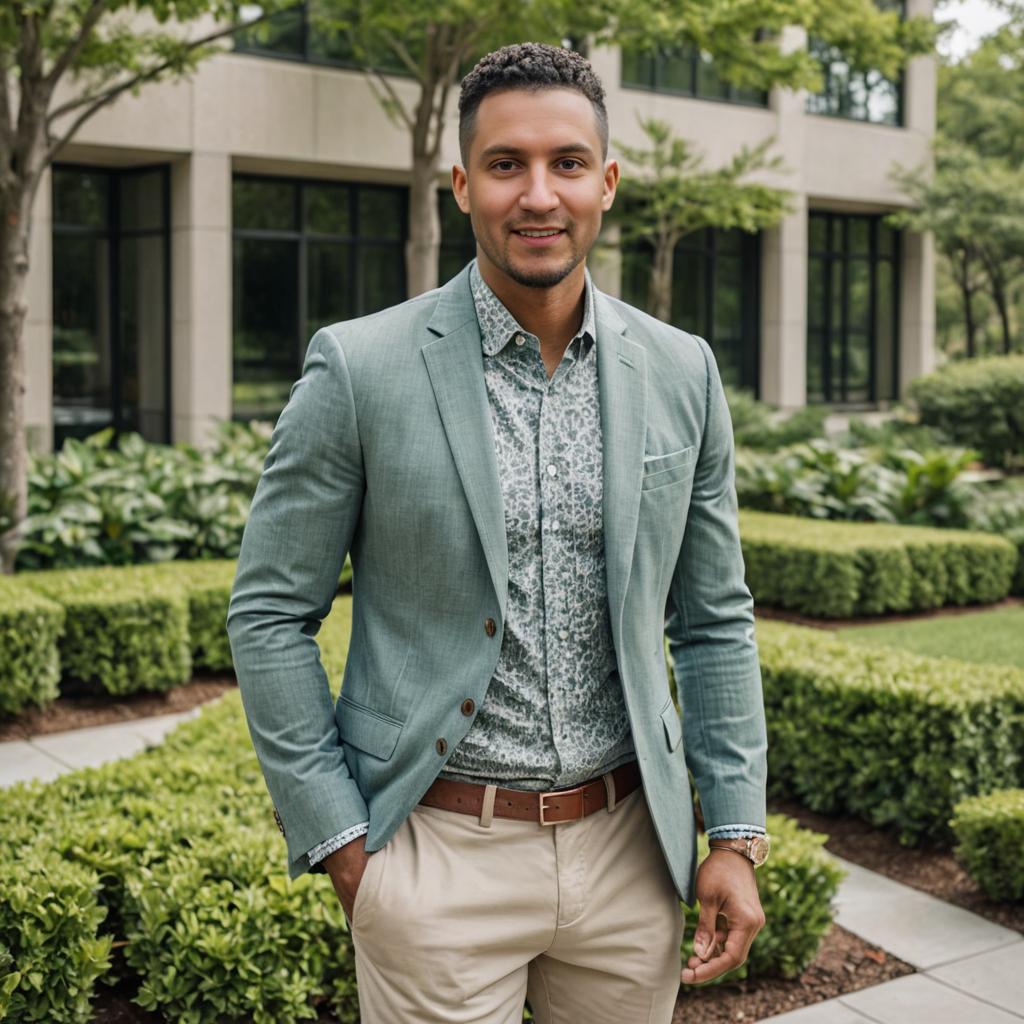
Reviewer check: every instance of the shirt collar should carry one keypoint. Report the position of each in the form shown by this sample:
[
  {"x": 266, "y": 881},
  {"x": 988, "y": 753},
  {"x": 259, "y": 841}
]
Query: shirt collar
[{"x": 498, "y": 326}]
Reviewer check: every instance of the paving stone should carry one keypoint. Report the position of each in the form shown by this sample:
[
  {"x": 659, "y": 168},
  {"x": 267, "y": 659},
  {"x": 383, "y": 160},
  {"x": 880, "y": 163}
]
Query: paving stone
[
  {"x": 920, "y": 998},
  {"x": 997, "y": 977},
  {"x": 83, "y": 748},
  {"x": 21, "y": 762},
  {"x": 920, "y": 929},
  {"x": 153, "y": 730},
  {"x": 831, "y": 1011}
]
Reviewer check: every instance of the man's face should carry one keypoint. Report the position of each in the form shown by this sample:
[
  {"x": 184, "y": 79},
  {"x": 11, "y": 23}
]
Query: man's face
[{"x": 535, "y": 185}]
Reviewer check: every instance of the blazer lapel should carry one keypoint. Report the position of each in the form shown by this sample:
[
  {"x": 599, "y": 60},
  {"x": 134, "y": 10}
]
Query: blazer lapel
[
  {"x": 454, "y": 359},
  {"x": 622, "y": 385}
]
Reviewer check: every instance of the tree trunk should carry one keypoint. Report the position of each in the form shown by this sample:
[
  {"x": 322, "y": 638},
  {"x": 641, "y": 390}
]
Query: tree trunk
[
  {"x": 15, "y": 231},
  {"x": 997, "y": 289},
  {"x": 962, "y": 272},
  {"x": 423, "y": 248},
  {"x": 659, "y": 300}
]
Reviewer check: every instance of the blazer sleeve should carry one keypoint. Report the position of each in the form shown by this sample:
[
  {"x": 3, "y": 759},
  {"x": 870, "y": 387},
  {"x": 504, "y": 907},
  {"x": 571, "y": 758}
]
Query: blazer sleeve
[
  {"x": 300, "y": 527},
  {"x": 710, "y": 629}
]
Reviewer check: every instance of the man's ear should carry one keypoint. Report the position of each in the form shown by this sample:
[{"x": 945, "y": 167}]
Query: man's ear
[
  {"x": 460, "y": 187},
  {"x": 611, "y": 183}
]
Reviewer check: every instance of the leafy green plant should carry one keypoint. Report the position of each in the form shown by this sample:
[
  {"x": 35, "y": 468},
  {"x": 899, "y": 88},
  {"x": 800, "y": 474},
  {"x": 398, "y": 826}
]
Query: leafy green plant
[
  {"x": 757, "y": 424},
  {"x": 30, "y": 626},
  {"x": 990, "y": 841}
]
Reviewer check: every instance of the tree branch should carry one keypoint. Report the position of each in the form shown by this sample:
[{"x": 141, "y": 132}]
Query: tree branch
[
  {"x": 396, "y": 103},
  {"x": 67, "y": 58},
  {"x": 111, "y": 94},
  {"x": 402, "y": 53}
]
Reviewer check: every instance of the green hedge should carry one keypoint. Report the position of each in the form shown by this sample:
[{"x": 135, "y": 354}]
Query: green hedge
[
  {"x": 990, "y": 841},
  {"x": 178, "y": 850},
  {"x": 30, "y": 626},
  {"x": 120, "y": 631},
  {"x": 979, "y": 403},
  {"x": 896, "y": 738},
  {"x": 833, "y": 570}
]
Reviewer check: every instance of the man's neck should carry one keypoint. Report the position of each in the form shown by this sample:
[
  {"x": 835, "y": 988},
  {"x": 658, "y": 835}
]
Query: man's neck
[{"x": 553, "y": 314}]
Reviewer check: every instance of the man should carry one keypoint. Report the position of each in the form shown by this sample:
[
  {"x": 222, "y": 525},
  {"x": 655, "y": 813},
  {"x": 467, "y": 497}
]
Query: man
[{"x": 529, "y": 475}]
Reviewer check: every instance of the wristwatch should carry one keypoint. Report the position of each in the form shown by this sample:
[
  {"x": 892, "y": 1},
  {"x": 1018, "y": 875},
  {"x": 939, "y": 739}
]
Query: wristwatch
[{"x": 754, "y": 848}]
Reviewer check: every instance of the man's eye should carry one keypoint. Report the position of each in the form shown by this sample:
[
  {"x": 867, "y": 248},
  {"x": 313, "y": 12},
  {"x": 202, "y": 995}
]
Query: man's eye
[
  {"x": 569, "y": 164},
  {"x": 504, "y": 165}
]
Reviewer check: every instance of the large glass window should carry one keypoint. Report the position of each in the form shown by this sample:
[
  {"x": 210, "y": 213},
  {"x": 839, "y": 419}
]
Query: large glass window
[
  {"x": 852, "y": 309},
  {"x": 685, "y": 71},
  {"x": 458, "y": 246},
  {"x": 858, "y": 95},
  {"x": 111, "y": 294},
  {"x": 306, "y": 254},
  {"x": 715, "y": 293}
]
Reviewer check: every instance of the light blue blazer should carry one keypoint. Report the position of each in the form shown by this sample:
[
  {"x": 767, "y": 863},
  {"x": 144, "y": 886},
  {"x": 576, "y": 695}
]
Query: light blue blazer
[{"x": 385, "y": 450}]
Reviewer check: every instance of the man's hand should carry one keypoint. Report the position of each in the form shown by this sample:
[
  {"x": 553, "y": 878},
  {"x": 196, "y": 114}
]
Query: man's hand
[
  {"x": 346, "y": 867},
  {"x": 730, "y": 916}
]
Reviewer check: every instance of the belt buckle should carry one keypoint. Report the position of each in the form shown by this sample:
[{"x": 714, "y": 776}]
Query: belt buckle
[{"x": 577, "y": 791}]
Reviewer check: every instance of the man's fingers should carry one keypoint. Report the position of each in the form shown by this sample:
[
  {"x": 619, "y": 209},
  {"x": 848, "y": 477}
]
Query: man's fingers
[
  {"x": 737, "y": 945},
  {"x": 707, "y": 928}
]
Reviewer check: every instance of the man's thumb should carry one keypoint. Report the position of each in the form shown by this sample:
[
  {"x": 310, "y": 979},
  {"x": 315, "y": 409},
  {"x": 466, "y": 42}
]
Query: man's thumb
[{"x": 705, "y": 934}]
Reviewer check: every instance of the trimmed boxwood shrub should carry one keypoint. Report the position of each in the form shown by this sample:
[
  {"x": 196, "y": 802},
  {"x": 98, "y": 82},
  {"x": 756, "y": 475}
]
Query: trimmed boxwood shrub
[
  {"x": 30, "y": 626},
  {"x": 120, "y": 631},
  {"x": 50, "y": 951},
  {"x": 896, "y": 738},
  {"x": 990, "y": 841},
  {"x": 797, "y": 885},
  {"x": 979, "y": 403},
  {"x": 833, "y": 569}
]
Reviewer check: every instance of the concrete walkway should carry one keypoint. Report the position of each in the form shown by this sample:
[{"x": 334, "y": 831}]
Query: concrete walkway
[
  {"x": 46, "y": 757},
  {"x": 969, "y": 970}
]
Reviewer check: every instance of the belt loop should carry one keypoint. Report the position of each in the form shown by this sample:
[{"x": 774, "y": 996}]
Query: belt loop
[
  {"x": 609, "y": 785},
  {"x": 487, "y": 810}
]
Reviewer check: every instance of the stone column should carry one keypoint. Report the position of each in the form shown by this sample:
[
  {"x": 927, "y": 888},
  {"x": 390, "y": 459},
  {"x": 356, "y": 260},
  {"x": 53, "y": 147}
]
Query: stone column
[
  {"x": 38, "y": 336},
  {"x": 201, "y": 282}
]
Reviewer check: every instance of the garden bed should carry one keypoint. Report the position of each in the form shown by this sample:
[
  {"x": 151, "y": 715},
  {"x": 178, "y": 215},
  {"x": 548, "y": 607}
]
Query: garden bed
[{"x": 929, "y": 867}]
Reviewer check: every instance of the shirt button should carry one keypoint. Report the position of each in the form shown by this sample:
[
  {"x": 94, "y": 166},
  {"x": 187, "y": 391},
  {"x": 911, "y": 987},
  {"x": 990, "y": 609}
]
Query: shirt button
[
  {"x": 441, "y": 746},
  {"x": 490, "y": 627},
  {"x": 468, "y": 706},
  {"x": 552, "y": 469},
  {"x": 520, "y": 340},
  {"x": 555, "y": 524},
  {"x": 563, "y": 634}
]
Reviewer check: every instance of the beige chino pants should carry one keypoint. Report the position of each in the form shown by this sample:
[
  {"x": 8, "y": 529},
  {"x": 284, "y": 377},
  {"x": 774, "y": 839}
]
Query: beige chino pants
[{"x": 455, "y": 922}]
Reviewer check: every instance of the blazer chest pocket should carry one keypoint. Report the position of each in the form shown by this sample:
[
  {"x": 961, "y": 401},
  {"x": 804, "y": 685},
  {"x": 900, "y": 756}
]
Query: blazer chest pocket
[
  {"x": 369, "y": 730},
  {"x": 670, "y": 468}
]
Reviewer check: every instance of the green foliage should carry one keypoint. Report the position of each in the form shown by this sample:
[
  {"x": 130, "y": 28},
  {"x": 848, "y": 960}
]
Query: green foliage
[
  {"x": 120, "y": 631},
  {"x": 836, "y": 570},
  {"x": 895, "y": 738},
  {"x": 990, "y": 841},
  {"x": 796, "y": 885},
  {"x": 95, "y": 504},
  {"x": 822, "y": 479},
  {"x": 999, "y": 508},
  {"x": 50, "y": 951},
  {"x": 754, "y": 424},
  {"x": 978, "y": 402},
  {"x": 30, "y": 626}
]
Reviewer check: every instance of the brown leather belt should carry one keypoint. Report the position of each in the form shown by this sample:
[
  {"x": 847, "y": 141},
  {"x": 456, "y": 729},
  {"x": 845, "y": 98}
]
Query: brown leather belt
[{"x": 546, "y": 808}]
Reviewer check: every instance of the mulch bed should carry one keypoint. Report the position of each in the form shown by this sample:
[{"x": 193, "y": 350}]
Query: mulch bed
[
  {"x": 874, "y": 620},
  {"x": 844, "y": 964},
  {"x": 77, "y": 711},
  {"x": 930, "y": 868}
]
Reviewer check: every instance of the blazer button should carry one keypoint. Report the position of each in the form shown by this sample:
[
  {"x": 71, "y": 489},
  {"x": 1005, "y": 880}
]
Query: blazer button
[
  {"x": 442, "y": 746},
  {"x": 277, "y": 818},
  {"x": 468, "y": 706},
  {"x": 490, "y": 628}
]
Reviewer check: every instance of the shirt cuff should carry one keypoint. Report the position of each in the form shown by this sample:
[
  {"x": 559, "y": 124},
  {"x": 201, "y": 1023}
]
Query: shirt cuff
[
  {"x": 734, "y": 831},
  {"x": 328, "y": 846}
]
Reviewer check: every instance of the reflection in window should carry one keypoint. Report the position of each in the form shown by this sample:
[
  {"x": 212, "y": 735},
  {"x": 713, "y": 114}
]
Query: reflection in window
[
  {"x": 306, "y": 254},
  {"x": 685, "y": 71},
  {"x": 852, "y": 309},
  {"x": 859, "y": 95},
  {"x": 715, "y": 277},
  {"x": 111, "y": 323}
]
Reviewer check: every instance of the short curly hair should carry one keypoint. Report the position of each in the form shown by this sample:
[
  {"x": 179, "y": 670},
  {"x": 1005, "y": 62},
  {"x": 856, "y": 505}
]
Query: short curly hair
[{"x": 529, "y": 66}]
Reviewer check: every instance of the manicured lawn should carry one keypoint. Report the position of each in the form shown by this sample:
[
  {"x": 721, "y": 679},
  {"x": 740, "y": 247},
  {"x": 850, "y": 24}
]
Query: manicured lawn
[{"x": 994, "y": 636}]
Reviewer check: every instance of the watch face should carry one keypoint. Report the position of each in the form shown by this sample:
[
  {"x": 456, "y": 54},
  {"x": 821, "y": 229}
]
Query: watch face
[{"x": 759, "y": 850}]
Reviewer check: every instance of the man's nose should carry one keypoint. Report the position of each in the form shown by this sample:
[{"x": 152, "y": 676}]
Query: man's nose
[{"x": 539, "y": 196}]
